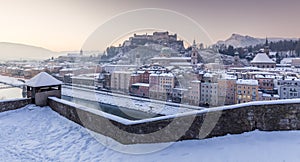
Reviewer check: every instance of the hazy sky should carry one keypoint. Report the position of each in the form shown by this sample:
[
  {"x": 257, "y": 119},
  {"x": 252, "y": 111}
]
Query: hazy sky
[{"x": 65, "y": 24}]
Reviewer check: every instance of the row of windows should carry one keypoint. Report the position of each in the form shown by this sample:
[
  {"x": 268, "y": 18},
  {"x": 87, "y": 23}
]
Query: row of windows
[
  {"x": 291, "y": 94},
  {"x": 287, "y": 83},
  {"x": 267, "y": 84},
  {"x": 248, "y": 87}
]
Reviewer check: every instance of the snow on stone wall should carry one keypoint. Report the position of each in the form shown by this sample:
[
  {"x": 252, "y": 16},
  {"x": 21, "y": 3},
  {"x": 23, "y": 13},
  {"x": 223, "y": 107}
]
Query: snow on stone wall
[
  {"x": 12, "y": 104},
  {"x": 192, "y": 125}
]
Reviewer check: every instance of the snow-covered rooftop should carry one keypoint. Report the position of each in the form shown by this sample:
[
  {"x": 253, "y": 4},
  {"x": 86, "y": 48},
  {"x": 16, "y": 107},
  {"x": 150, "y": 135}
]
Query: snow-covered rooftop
[
  {"x": 83, "y": 78},
  {"x": 195, "y": 81},
  {"x": 266, "y": 95},
  {"x": 43, "y": 79},
  {"x": 208, "y": 75},
  {"x": 163, "y": 74},
  {"x": 141, "y": 84},
  {"x": 167, "y": 74},
  {"x": 171, "y": 58},
  {"x": 262, "y": 58},
  {"x": 69, "y": 69},
  {"x": 244, "y": 68},
  {"x": 287, "y": 60},
  {"x": 247, "y": 82},
  {"x": 229, "y": 77},
  {"x": 258, "y": 76},
  {"x": 181, "y": 63}
]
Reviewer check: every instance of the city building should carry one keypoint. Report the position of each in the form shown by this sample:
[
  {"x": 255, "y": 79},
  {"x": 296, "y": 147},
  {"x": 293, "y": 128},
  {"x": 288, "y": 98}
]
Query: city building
[
  {"x": 226, "y": 92},
  {"x": 265, "y": 82},
  {"x": 268, "y": 97},
  {"x": 139, "y": 89},
  {"x": 262, "y": 60},
  {"x": 104, "y": 81},
  {"x": 81, "y": 80},
  {"x": 289, "y": 88},
  {"x": 161, "y": 85},
  {"x": 172, "y": 61},
  {"x": 194, "y": 92},
  {"x": 246, "y": 90},
  {"x": 295, "y": 62},
  {"x": 120, "y": 81},
  {"x": 209, "y": 94},
  {"x": 112, "y": 68},
  {"x": 76, "y": 71},
  {"x": 180, "y": 95}
]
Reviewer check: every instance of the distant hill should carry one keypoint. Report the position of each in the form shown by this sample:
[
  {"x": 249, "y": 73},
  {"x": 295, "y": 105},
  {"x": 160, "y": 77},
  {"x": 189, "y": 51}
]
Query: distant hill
[
  {"x": 237, "y": 40},
  {"x": 145, "y": 52},
  {"x": 14, "y": 51}
]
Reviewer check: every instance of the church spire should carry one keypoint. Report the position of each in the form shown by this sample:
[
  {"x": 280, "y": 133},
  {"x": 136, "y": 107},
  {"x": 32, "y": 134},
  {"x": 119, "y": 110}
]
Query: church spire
[
  {"x": 194, "y": 55},
  {"x": 81, "y": 52},
  {"x": 267, "y": 49},
  {"x": 194, "y": 43},
  {"x": 267, "y": 42}
]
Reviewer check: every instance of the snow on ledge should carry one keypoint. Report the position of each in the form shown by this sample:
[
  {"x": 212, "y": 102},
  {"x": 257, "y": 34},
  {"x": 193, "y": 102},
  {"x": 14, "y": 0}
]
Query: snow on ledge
[
  {"x": 94, "y": 111},
  {"x": 195, "y": 112},
  {"x": 13, "y": 99}
]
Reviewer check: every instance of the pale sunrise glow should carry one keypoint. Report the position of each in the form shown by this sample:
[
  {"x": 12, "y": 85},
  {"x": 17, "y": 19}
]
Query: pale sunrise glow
[{"x": 65, "y": 25}]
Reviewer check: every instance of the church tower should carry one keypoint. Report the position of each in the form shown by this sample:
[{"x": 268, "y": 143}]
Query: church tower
[
  {"x": 236, "y": 58},
  {"x": 138, "y": 60},
  {"x": 194, "y": 55},
  {"x": 267, "y": 48},
  {"x": 81, "y": 52}
]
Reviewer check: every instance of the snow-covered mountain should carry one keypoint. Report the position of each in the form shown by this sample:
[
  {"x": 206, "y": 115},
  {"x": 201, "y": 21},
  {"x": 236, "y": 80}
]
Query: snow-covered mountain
[{"x": 237, "y": 40}]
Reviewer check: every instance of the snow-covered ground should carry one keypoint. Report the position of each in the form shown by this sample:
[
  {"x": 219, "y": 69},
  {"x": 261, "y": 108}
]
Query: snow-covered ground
[{"x": 39, "y": 134}]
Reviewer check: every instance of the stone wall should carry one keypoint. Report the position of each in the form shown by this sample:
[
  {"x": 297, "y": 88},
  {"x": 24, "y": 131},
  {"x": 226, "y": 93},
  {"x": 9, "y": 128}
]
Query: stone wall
[
  {"x": 6, "y": 105},
  {"x": 41, "y": 97},
  {"x": 203, "y": 124}
]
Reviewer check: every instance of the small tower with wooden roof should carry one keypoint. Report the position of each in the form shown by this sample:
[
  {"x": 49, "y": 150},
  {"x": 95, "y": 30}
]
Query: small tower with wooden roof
[{"x": 42, "y": 86}]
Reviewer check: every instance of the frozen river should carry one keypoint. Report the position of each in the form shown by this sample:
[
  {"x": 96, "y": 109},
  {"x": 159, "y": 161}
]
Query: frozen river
[{"x": 123, "y": 112}]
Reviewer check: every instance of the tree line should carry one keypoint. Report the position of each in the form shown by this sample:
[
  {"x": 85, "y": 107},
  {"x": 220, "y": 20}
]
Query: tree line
[{"x": 280, "y": 46}]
